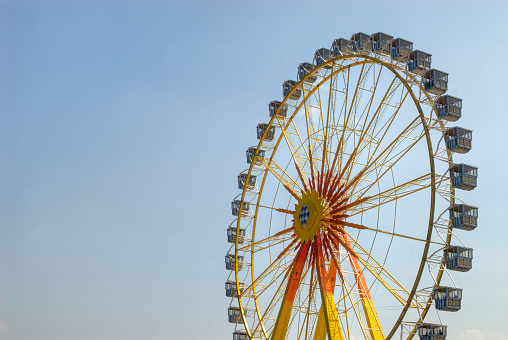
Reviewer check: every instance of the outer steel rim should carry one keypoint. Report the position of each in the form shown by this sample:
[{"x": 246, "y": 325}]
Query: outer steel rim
[{"x": 397, "y": 73}]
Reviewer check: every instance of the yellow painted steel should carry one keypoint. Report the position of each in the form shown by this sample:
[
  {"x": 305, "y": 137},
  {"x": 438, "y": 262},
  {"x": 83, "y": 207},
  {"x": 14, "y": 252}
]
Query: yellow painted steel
[
  {"x": 329, "y": 306},
  {"x": 368, "y": 307},
  {"x": 314, "y": 205},
  {"x": 281, "y": 325},
  {"x": 281, "y": 175},
  {"x": 328, "y": 303},
  {"x": 372, "y": 319},
  {"x": 320, "y": 328}
]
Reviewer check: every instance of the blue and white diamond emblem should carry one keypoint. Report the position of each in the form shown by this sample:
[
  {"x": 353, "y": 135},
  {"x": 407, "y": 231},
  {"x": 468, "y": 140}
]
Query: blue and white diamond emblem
[{"x": 304, "y": 215}]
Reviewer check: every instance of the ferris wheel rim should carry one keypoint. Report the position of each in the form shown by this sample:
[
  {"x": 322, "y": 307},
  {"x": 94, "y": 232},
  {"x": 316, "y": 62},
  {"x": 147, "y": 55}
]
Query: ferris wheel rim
[{"x": 422, "y": 117}]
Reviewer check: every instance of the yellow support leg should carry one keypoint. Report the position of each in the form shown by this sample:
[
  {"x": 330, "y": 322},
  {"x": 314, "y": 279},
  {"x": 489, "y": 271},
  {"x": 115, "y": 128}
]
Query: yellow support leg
[
  {"x": 320, "y": 329},
  {"x": 368, "y": 306},
  {"x": 281, "y": 325},
  {"x": 328, "y": 304}
]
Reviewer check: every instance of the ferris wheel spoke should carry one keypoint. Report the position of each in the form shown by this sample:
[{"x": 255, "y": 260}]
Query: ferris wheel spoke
[
  {"x": 347, "y": 118},
  {"x": 331, "y": 123},
  {"x": 381, "y": 171},
  {"x": 330, "y": 113},
  {"x": 310, "y": 112},
  {"x": 299, "y": 157},
  {"x": 312, "y": 301},
  {"x": 363, "y": 135},
  {"x": 388, "y": 124},
  {"x": 367, "y": 138},
  {"x": 404, "y": 236},
  {"x": 273, "y": 240},
  {"x": 279, "y": 294},
  {"x": 353, "y": 123},
  {"x": 265, "y": 287},
  {"x": 387, "y": 196},
  {"x": 283, "y": 177},
  {"x": 383, "y": 276},
  {"x": 342, "y": 114},
  {"x": 385, "y": 102},
  {"x": 366, "y": 111},
  {"x": 385, "y": 128},
  {"x": 275, "y": 264},
  {"x": 382, "y": 158}
]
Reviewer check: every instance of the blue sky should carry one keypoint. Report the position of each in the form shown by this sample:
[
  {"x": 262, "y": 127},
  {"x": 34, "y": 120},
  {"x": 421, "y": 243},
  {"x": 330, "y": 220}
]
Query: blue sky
[{"x": 123, "y": 126}]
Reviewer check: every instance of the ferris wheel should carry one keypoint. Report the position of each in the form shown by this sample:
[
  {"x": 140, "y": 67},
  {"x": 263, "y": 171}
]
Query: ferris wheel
[{"x": 347, "y": 224}]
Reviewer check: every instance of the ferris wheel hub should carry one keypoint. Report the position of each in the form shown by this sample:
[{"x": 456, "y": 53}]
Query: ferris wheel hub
[{"x": 308, "y": 216}]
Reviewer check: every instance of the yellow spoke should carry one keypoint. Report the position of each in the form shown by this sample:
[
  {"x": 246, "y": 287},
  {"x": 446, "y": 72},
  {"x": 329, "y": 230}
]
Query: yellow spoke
[
  {"x": 267, "y": 271},
  {"x": 346, "y": 119},
  {"x": 367, "y": 138},
  {"x": 363, "y": 132},
  {"x": 331, "y": 101},
  {"x": 380, "y": 166},
  {"x": 277, "y": 238},
  {"x": 286, "y": 133},
  {"x": 312, "y": 139},
  {"x": 404, "y": 236},
  {"x": 287, "y": 181},
  {"x": 385, "y": 152},
  {"x": 387, "y": 196},
  {"x": 279, "y": 293},
  {"x": 383, "y": 276}
]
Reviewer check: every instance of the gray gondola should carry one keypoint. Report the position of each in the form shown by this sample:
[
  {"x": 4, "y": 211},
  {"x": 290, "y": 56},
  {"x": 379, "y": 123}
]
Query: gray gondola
[
  {"x": 340, "y": 46},
  {"x": 288, "y": 86},
  {"x": 305, "y": 69},
  {"x": 401, "y": 49},
  {"x": 240, "y": 335},
  {"x": 458, "y": 139},
  {"x": 270, "y": 134},
  {"x": 436, "y": 82},
  {"x": 447, "y": 298},
  {"x": 464, "y": 216},
  {"x": 234, "y": 315},
  {"x": 449, "y": 108},
  {"x": 243, "y": 182},
  {"x": 361, "y": 42},
  {"x": 231, "y": 290},
  {"x": 429, "y": 331},
  {"x": 458, "y": 258},
  {"x": 231, "y": 263},
  {"x": 419, "y": 62},
  {"x": 382, "y": 43},
  {"x": 463, "y": 176},
  {"x": 274, "y": 106},
  {"x": 321, "y": 56},
  {"x": 235, "y": 208},
  {"x": 252, "y": 156},
  {"x": 232, "y": 235}
]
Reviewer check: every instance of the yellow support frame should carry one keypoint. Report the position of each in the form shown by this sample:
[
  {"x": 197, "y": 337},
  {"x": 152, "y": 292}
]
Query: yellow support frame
[{"x": 270, "y": 169}]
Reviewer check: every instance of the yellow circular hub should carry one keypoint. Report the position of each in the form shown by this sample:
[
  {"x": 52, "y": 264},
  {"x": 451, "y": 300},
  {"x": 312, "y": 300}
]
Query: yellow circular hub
[{"x": 307, "y": 217}]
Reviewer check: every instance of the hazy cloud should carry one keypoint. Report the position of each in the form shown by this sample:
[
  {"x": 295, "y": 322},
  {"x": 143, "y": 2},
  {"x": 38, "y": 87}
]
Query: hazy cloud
[
  {"x": 475, "y": 334},
  {"x": 3, "y": 327}
]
